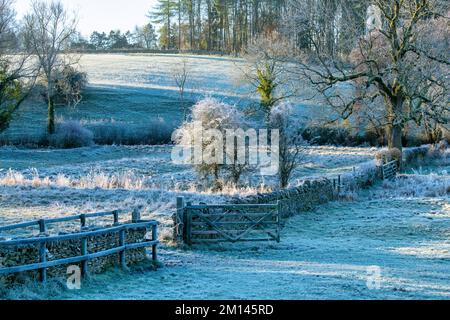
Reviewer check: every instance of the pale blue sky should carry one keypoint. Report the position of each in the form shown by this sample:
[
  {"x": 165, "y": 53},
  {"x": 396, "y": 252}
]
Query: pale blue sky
[{"x": 103, "y": 15}]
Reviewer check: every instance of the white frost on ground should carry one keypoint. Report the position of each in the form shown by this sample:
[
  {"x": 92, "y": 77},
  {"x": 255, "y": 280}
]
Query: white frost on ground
[
  {"x": 323, "y": 255},
  {"x": 326, "y": 254},
  {"x": 47, "y": 183},
  {"x": 133, "y": 90}
]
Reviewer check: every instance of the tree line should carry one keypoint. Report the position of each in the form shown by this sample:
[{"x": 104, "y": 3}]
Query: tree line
[
  {"x": 383, "y": 63},
  {"x": 231, "y": 25},
  {"x": 144, "y": 37},
  {"x": 214, "y": 25}
]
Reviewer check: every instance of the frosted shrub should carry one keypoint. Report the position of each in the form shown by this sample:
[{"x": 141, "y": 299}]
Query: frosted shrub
[
  {"x": 292, "y": 146},
  {"x": 213, "y": 115},
  {"x": 122, "y": 180},
  {"x": 417, "y": 185},
  {"x": 155, "y": 132},
  {"x": 71, "y": 135},
  {"x": 15, "y": 178},
  {"x": 439, "y": 150},
  {"x": 389, "y": 155}
]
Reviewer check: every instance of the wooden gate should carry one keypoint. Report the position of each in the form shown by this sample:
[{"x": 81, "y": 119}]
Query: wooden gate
[
  {"x": 390, "y": 170},
  {"x": 204, "y": 223}
]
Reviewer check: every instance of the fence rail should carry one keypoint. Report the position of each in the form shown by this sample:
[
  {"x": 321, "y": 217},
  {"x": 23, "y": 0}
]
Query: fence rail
[
  {"x": 196, "y": 224},
  {"x": 42, "y": 242},
  {"x": 43, "y": 223}
]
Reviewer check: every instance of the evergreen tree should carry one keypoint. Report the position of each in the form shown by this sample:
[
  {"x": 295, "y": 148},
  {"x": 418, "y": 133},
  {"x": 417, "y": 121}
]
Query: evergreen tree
[{"x": 163, "y": 14}]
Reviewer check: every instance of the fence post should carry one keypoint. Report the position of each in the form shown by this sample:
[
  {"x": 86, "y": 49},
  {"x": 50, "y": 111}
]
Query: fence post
[
  {"x": 136, "y": 215},
  {"x": 83, "y": 221},
  {"x": 84, "y": 263},
  {"x": 116, "y": 217},
  {"x": 178, "y": 225},
  {"x": 43, "y": 259},
  {"x": 42, "y": 226},
  {"x": 122, "y": 254},
  {"x": 278, "y": 221},
  {"x": 339, "y": 185},
  {"x": 154, "y": 238},
  {"x": 188, "y": 225}
]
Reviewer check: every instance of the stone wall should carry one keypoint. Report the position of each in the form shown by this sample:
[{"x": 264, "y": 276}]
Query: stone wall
[
  {"x": 312, "y": 193},
  {"x": 305, "y": 197},
  {"x": 29, "y": 254}
]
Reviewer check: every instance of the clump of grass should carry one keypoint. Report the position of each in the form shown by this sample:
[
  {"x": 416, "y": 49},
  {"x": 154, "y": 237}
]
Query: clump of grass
[{"x": 31, "y": 289}]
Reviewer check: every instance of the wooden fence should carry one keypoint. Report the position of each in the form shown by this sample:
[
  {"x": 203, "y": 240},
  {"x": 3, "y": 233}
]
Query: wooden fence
[
  {"x": 84, "y": 257},
  {"x": 197, "y": 224},
  {"x": 390, "y": 170}
]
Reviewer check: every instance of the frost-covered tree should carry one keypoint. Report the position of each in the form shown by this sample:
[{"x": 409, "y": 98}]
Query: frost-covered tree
[
  {"x": 205, "y": 134},
  {"x": 146, "y": 36},
  {"x": 292, "y": 146},
  {"x": 180, "y": 75}
]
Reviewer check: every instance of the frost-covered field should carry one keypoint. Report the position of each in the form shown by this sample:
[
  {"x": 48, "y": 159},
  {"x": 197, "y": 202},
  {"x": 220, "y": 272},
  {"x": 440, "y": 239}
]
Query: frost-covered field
[
  {"x": 327, "y": 254},
  {"x": 400, "y": 227},
  {"x": 46, "y": 182},
  {"x": 135, "y": 89}
]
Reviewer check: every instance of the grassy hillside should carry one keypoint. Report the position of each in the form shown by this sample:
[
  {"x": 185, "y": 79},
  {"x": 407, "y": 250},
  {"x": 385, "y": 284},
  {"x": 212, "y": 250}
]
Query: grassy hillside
[{"x": 132, "y": 92}]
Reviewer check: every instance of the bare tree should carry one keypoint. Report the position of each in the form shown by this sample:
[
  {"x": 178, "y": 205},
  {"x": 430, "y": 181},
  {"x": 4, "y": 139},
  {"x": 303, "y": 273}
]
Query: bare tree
[
  {"x": 266, "y": 72},
  {"x": 16, "y": 77},
  {"x": 292, "y": 146},
  {"x": 401, "y": 67},
  {"x": 48, "y": 29},
  {"x": 7, "y": 21},
  {"x": 180, "y": 75}
]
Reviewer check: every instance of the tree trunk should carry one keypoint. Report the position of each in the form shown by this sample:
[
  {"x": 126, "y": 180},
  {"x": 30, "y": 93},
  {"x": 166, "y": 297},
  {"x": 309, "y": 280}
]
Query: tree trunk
[
  {"x": 168, "y": 27},
  {"x": 394, "y": 128},
  {"x": 394, "y": 133},
  {"x": 179, "y": 24},
  {"x": 191, "y": 24},
  {"x": 51, "y": 116},
  {"x": 284, "y": 181},
  {"x": 209, "y": 43}
]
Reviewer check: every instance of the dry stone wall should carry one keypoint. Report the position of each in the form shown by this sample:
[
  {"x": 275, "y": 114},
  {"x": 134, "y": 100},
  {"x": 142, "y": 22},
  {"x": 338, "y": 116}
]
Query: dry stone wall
[
  {"x": 305, "y": 197},
  {"x": 312, "y": 193}
]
